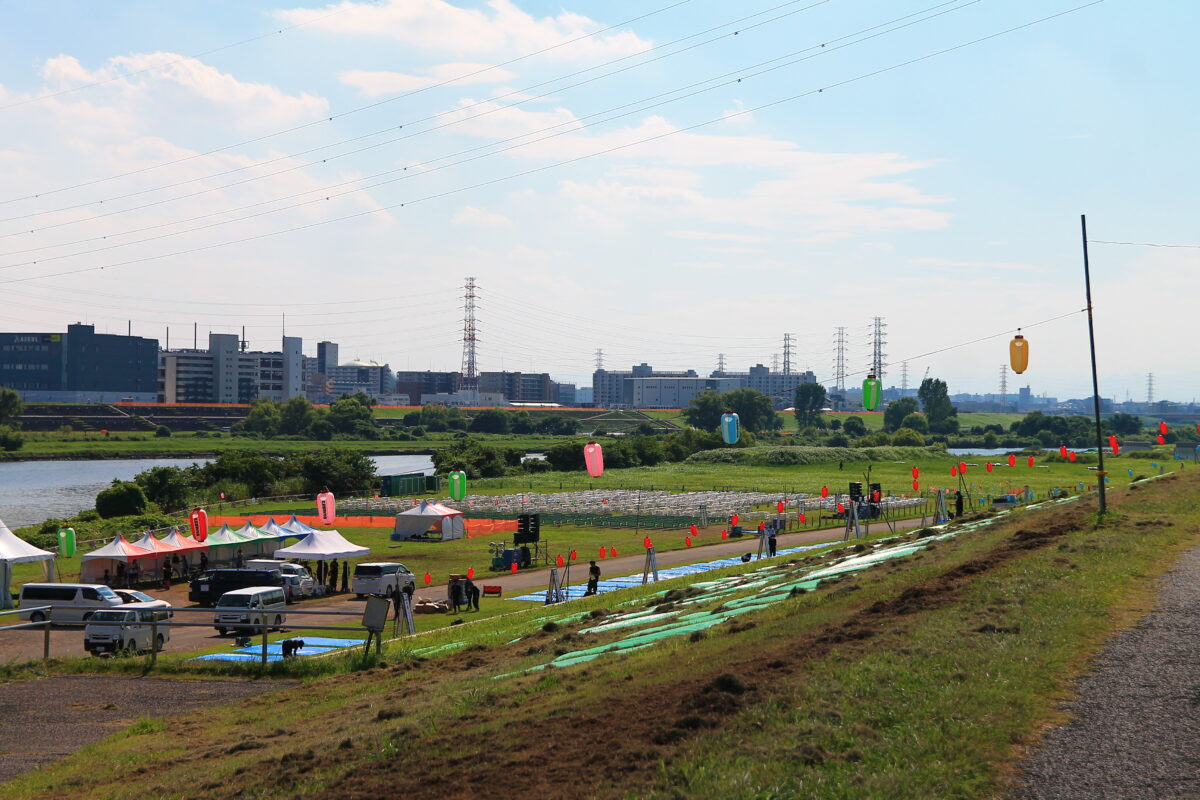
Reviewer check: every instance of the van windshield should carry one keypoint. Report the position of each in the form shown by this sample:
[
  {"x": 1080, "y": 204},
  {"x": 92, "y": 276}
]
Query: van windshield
[
  {"x": 110, "y": 616},
  {"x": 368, "y": 571},
  {"x": 234, "y": 601}
]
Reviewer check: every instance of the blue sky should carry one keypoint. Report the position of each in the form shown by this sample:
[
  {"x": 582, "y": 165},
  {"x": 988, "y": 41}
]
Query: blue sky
[{"x": 943, "y": 195}]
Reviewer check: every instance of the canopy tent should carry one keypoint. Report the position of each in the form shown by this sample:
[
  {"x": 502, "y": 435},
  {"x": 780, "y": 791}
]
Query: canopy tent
[
  {"x": 15, "y": 550},
  {"x": 426, "y": 518},
  {"x": 261, "y": 542},
  {"x": 162, "y": 550},
  {"x": 296, "y": 526},
  {"x": 322, "y": 546},
  {"x": 118, "y": 555},
  {"x": 273, "y": 528},
  {"x": 188, "y": 547},
  {"x": 224, "y": 545}
]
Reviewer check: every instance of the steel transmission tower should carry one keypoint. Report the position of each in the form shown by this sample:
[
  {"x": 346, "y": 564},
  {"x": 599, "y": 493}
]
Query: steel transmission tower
[
  {"x": 599, "y": 359},
  {"x": 1149, "y": 388},
  {"x": 878, "y": 342},
  {"x": 721, "y": 363},
  {"x": 775, "y": 362},
  {"x": 903, "y": 378},
  {"x": 1004, "y": 384},
  {"x": 839, "y": 362},
  {"x": 787, "y": 354},
  {"x": 470, "y": 372}
]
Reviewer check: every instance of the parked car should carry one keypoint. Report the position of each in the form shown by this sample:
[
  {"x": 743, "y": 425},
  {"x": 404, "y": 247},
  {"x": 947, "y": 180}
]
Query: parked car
[
  {"x": 126, "y": 629},
  {"x": 382, "y": 577},
  {"x": 208, "y": 586},
  {"x": 72, "y": 602},
  {"x": 254, "y": 605},
  {"x": 134, "y": 596},
  {"x": 305, "y": 583}
]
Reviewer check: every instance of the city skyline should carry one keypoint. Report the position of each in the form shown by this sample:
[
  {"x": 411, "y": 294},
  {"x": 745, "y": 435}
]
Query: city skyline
[{"x": 943, "y": 195}]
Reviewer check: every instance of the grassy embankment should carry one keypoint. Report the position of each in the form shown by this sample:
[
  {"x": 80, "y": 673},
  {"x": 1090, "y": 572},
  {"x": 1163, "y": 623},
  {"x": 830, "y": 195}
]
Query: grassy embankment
[{"x": 922, "y": 678}]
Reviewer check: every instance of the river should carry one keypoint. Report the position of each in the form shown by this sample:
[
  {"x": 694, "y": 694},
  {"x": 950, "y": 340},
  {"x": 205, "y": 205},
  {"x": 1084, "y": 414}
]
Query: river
[{"x": 33, "y": 491}]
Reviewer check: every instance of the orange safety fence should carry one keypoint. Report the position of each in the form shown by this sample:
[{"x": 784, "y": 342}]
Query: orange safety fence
[
  {"x": 478, "y": 528},
  {"x": 258, "y": 520}
]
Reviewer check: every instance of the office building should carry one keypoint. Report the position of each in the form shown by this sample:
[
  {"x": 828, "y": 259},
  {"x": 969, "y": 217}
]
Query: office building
[
  {"x": 518, "y": 387},
  {"x": 79, "y": 366},
  {"x": 228, "y": 373},
  {"x": 608, "y": 386}
]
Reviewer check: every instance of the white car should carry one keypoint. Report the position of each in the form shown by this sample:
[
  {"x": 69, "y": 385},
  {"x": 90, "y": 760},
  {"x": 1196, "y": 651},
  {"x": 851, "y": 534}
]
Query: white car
[{"x": 141, "y": 598}]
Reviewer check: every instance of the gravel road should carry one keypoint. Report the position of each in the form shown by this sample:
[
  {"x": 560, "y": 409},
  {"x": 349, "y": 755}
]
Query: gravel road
[
  {"x": 46, "y": 719},
  {"x": 1136, "y": 727}
]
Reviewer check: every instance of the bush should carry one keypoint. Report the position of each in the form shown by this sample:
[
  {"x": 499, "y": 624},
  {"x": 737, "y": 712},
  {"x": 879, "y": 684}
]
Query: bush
[
  {"x": 162, "y": 432},
  {"x": 907, "y": 437},
  {"x": 796, "y": 456},
  {"x": 10, "y": 440},
  {"x": 122, "y": 499}
]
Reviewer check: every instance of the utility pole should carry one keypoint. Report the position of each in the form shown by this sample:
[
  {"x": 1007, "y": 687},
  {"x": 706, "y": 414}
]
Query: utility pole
[
  {"x": 839, "y": 363},
  {"x": 470, "y": 378},
  {"x": 1087, "y": 282}
]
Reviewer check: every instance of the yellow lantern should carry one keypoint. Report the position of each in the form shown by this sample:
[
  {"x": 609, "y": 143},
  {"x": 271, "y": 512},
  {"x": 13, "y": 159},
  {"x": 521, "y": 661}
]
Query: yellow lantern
[{"x": 1018, "y": 353}]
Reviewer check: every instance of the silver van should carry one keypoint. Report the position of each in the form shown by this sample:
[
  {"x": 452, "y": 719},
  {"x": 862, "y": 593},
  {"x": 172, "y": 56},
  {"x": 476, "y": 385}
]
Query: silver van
[
  {"x": 72, "y": 602},
  {"x": 129, "y": 629},
  {"x": 254, "y": 605},
  {"x": 382, "y": 578}
]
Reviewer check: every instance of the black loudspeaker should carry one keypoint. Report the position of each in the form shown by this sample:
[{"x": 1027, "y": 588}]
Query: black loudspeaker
[
  {"x": 523, "y": 524},
  {"x": 535, "y": 526},
  {"x": 529, "y": 529},
  {"x": 856, "y": 491}
]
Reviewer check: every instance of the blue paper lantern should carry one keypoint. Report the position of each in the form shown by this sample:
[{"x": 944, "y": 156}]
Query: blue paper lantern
[{"x": 729, "y": 427}]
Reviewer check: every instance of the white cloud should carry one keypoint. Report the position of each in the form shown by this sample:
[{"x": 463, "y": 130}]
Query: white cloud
[
  {"x": 738, "y": 114},
  {"x": 375, "y": 84},
  {"x": 498, "y": 27},
  {"x": 953, "y": 263},
  {"x": 481, "y": 217}
]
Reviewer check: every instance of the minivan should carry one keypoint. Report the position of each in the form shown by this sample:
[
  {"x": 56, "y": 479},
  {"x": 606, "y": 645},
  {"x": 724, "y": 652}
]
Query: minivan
[
  {"x": 254, "y": 605},
  {"x": 85, "y": 596},
  {"x": 303, "y": 586},
  {"x": 129, "y": 629},
  {"x": 382, "y": 577},
  {"x": 207, "y": 587}
]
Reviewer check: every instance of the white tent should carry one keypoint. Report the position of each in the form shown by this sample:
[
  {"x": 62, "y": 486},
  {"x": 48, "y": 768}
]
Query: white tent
[
  {"x": 273, "y": 528},
  {"x": 322, "y": 546},
  {"x": 119, "y": 551},
  {"x": 419, "y": 520},
  {"x": 262, "y": 543},
  {"x": 15, "y": 550},
  {"x": 298, "y": 527}
]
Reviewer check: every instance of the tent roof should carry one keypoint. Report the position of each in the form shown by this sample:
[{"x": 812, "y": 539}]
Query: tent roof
[
  {"x": 276, "y": 530},
  {"x": 148, "y": 542},
  {"x": 322, "y": 546},
  {"x": 250, "y": 533},
  {"x": 16, "y": 550},
  {"x": 182, "y": 542},
  {"x": 118, "y": 549},
  {"x": 225, "y": 535},
  {"x": 296, "y": 525},
  {"x": 430, "y": 510}
]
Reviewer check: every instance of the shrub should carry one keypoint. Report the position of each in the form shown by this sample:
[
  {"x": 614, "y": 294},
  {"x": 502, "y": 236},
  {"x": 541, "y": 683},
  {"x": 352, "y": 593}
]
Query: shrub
[
  {"x": 122, "y": 499},
  {"x": 162, "y": 432},
  {"x": 10, "y": 440},
  {"x": 791, "y": 456},
  {"x": 907, "y": 437}
]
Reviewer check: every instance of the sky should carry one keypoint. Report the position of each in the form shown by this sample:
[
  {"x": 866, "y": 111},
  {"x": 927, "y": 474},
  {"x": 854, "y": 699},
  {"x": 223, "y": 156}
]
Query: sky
[{"x": 664, "y": 181}]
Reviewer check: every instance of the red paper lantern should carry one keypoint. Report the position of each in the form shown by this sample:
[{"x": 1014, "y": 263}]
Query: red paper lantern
[
  {"x": 1161, "y": 439},
  {"x": 646, "y": 542},
  {"x": 1162, "y": 428},
  {"x": 470, "y": 573},
  {"x": 326, "y": 507},
  {"x": 803, "y": 520},
  {"x": 514, "y": 568},
  {"x": 962, "y": 468},
  {"x": 1012, "y": 460},
  {"x": 875, "y": 496},
  {"x": 1030, "y": 461},
  {"x": 954, "y": 472},
  {"x": 824, "y": 491},
  {"x": 916, "y": 486},
  {"x": 593, "y": 459},
  {"x": 688, "y": 541},
  {"x": 602, "y": 552},
  {"x": 198, "y": 520},
  {"x": 988, "y": 467},
  {"x": 916, "y": 473},
  {"x": 692, "y": 529},
  {"x": 574, "y": 556},
  {"x": 1071, "y": 456},
  {"x": 222, "y": 495},
  {"x": 841, "y": 508},
  {"x": 724, "y": 534},
  {"x": 779, "y": 507},
  {"x": 560, "y": 561},
  {"x": 1062, "y": 451},
  {"x": 428, "y": 579},
  {"x": 734, "y": 519},
  {"x": 612, "y": 552}
]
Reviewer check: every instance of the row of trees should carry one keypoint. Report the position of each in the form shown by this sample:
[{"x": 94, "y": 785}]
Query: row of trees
[
  {"x": 349, "y": 415},
  {"x": 10, "y": 410},
  {"x": 755, "y": 410}
]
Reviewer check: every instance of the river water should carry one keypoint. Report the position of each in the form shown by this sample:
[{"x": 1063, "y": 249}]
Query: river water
[{"x": 33, "y": 491}]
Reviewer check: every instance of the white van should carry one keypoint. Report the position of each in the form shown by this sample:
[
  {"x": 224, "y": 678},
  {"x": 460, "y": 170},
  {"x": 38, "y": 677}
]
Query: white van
[
  {"x": 303, "y": 586},
  {"x": 382, "y": 577},
  {"x": 129, "y": 629},
  {"x": 83, "y": 596},
  {"x": 254, "y": 605}
]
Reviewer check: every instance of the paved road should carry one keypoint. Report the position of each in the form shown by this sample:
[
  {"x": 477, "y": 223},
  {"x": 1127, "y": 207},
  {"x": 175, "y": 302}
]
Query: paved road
[{"x": 17, "y": 646}]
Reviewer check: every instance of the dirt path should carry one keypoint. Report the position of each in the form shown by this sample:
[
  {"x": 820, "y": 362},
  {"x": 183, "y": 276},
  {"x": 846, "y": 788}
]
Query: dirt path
[
  {"x": 1135, "y": 731},
  {"x": 46, "y": 719},
  {"x": 27, "y": 645}
]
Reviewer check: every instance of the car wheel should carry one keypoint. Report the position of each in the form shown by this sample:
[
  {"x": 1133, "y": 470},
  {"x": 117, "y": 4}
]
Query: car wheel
[
  {"x": 87, "y": 616},
  {"x": 389, "y": 592},
  {"x": 160, "y": 643},
  {"x": 37, "y": 616},
  {"x": 220, "y": 631},
  {"x": 359, "y": 596}
]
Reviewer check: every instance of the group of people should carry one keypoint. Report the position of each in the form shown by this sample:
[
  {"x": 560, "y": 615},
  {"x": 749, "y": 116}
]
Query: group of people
[
  {"x": 129, "y": 576},
  {"x": 326, "y": 575},
  {"x": 464, "y": 594}
]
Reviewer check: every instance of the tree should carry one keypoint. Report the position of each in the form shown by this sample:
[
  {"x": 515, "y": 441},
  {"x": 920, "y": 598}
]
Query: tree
[
  {"x": 490, "y": 420},
  {"x": 350, "y": 414},
  {"x": 935, "y": 400},
  {"x": 705, "y": 411},
  {"x": 338, "y": 469},
  {"x": 907, "y": 436},
  {"x": 896, "y": 411},
  {"x": 10, "y": 440},
  {"x": 521, "y": 422},
  {"x": 918, "y": 423},
  {"x": 854, "y": 426},
  {"x": 809, "y": 400},
  {"x": 472, "y": 457},
  {"x": 297, "y": 415},
  {"x": 167, "y": 486},
  {"x": 556, "y": 425},
  {"x": 567, "y": 457},
  {"x": 122, "y": 499},
  {"x": 10, "y": 406},
  {"x": 756, "y": 412},
  {"x": 264, "y": 418},
  {"x": 1120, "y": 424}
]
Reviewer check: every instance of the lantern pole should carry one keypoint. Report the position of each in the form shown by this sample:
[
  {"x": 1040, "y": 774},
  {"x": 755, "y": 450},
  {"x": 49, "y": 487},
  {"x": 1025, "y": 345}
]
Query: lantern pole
[{"x": 1087, "y": 282}]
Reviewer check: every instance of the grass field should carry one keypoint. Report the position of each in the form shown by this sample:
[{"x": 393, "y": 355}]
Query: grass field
[{"x": 924, "y": 677}]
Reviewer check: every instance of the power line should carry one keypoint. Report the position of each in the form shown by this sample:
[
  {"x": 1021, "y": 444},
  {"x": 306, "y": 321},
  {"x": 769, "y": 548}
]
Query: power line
[
  {"x": 357, "y": 110},
  {"x": 1146, "y": 244},
  {"x": 536, "y": 170}
]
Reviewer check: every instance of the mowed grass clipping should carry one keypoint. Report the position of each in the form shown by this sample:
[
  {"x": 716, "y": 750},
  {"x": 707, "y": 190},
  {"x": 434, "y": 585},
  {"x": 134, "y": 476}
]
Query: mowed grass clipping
[{"x": 921, "y": 678}]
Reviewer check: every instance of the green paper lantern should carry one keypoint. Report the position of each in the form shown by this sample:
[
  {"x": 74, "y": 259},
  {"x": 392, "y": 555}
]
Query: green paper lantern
[
  {"x": 457, "y": 481},
  {"x": 871, "y": 390},
  {"x": 66, "y": 542}
]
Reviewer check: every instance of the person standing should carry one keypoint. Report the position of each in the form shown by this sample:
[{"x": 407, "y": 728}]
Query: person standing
[
  {"x": 333, "y": 576},
  {"x": 771, "y": 541},
  {"x": 472, "y": 595},
  {"x": 166, "y": 573},
  {"x": 593, "y": 583},
  {"x": 345, "y": 576},
  {"x": 958, "y": 504},
  {"x": 204, "y": 562}
]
